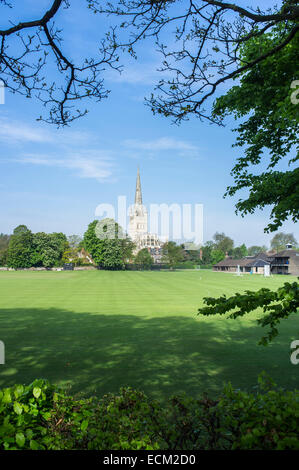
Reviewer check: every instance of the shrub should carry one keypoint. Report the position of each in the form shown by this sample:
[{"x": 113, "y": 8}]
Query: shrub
[
  {"x": 40, "y": 416},
  {"x": 206, "y": 266},
  {"x": 24, "y": 413},
  {"x": 185, "y": 265},
  {"x": 266, "y": 420}
]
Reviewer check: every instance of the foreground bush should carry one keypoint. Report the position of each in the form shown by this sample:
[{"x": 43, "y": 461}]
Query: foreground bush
[{"x": 40, "y": 416}]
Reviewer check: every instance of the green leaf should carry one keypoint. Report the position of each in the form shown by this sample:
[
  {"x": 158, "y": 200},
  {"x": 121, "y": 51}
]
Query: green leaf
[
  {"x": 34, "y": 445},
  {"x": 18, "y": 408},
  {"x": 36, "y": 392},
  {"x": 19, "y": 389},
  {"x": 84, "y": 425},
  {"x": 7, "y": 396},
  {"x": 20, "y": 439}
]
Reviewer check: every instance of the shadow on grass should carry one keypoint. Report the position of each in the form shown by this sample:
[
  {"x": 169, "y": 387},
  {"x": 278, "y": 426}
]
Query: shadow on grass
[{"x": 162, "y": 356}]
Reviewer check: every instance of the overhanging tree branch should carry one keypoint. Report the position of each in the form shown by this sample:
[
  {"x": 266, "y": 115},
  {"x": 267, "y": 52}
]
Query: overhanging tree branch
[
  {"x": 32, "y": 24},
  {"x": 247, "y": 66},
  {"x": 288, "y": 13},
  {"x": 25, "y": 73},
  {"x": 200, "y": 43}
]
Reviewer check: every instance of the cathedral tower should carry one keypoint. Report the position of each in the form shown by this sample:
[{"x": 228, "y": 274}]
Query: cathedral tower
[
  {"x": 138, "y": 214},
  {"x": 138, "y": 226}
]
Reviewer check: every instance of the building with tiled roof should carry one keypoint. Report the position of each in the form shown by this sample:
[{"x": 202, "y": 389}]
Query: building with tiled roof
[{"x": 284, "y": 262}]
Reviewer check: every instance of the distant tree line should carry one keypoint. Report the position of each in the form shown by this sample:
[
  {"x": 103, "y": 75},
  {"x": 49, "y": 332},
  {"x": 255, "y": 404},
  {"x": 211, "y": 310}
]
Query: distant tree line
[
  {"x": 24, "y": 249},
  {"x": 105, "y": 245},
  {"x": 221, "y": 246}
]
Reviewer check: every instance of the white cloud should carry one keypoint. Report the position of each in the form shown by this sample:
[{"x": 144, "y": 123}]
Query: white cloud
[
  {"x": 163, "y": 144},
  {"x": 16, "y": 132},
  {"x": 75, "y": 150},
  {"x": 86, "y": 164},
  {"x": 68, "y": 144},
  {"x": 138, "y": 74}
]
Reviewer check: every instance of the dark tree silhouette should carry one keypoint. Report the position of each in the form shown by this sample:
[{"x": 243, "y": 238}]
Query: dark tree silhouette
[
  {"x": 23, "y": 72},
  {"x": 200, "y": 43}
]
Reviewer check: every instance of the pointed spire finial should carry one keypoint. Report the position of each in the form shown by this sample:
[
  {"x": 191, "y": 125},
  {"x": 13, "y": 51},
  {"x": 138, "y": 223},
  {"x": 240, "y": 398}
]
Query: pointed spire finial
[{"x": 138, "y": 194}]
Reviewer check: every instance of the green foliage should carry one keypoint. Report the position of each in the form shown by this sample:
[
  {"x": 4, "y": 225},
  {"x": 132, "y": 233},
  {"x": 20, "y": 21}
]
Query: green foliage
[
  {"x": 216, "y": 256},
  {"x": 172, "y": 254},
  {"x": 74, "y": 241},
  {"x": 20, "y": 248},
  {"x": 206, "y": 266},
  {"x": 3, "y": 257},
  {"x": 24, "y": 414},
  {"x": 215, "y": 250},
  {"x": 280, "y": 240},
  {"x": 144, "y": 259},
  {"x": 207, "y": 253},
  {"x": 270, "y": 127},
  {"x": 70, "y": 255},
  {"x": 223, "y": 243},
  {"x": 127, "y": 247},
  {"x": 191, "y": 255},
  {"x": 40, "y": 417},
  {"x": 240, "y": 252},
  {"x": 48, "y": 249},
  {"x": 265, "y": 420},
  {"x": 20, "y": 229},
  {"x": 255, "y": 250},
  {"x": 26, "y": 249},
  {"x": 185, "y": 265},
  {"x": 277, "y": 305},
  {"x": 112, "y": 255},
  {"x": 107, "y": 245},
  {"x": 4, "y": 241}
]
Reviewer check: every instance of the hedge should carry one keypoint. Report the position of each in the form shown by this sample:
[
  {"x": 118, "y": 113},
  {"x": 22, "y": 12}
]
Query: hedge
[{"x": 41, "y": 416}]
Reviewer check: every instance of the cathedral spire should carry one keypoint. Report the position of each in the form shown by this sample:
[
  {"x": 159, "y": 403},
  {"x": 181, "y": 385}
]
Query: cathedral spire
[{"x": 138, "y": 194}]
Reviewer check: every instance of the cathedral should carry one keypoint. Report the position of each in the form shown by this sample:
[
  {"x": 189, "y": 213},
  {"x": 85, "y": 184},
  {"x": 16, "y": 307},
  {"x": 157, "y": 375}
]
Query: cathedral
[{"x": 138, "y": 226}]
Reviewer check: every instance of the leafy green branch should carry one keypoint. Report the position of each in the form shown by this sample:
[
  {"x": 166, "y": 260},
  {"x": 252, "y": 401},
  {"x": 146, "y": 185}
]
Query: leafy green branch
[{"x": 277, "y": 305}]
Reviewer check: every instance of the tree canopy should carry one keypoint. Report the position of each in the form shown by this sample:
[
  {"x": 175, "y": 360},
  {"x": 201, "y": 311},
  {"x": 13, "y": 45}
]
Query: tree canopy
[
  {"x": 268, "y": 131},
  {"x": 223, "y": 243},
  {"x": 172, "y": 254},
  {"x": 217, "y": 255},
  {"x": 107, "y": 245},
  {"x": 27, "y": 249},
  {"x": 47, "y": 249},
  {"x": 255, "y": 250},
  {"x": 280, "y": 240},
  {"x": 240, "y": 251},
  {"x": 19, "y": 253},
  {"x": 200, "y": 45},
  {"x": 144, "y": 259}
]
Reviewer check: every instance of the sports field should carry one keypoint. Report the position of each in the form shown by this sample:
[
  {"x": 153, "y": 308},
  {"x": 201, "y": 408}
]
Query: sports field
[{"x": 97, "y": 331}]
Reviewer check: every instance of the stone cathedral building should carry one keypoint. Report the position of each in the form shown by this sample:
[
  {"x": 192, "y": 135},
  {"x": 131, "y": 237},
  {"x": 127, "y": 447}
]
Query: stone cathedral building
[{"x": 138, "y": 225}]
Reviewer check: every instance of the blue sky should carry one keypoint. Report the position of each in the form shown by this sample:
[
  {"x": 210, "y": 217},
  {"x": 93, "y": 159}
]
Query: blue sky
[{"x": 53, "y": 179}]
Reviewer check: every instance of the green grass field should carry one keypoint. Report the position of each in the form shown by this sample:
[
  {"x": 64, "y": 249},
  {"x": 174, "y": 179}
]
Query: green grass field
[{"x": 98, "y": 331}]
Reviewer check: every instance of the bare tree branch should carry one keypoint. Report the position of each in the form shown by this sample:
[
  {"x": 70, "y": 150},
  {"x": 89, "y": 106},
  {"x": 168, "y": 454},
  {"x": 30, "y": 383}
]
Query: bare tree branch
[
  {"x": 40, "y": 42},
  {"x": 288, "y": 13},
  {"x": 32, "y": 24},
  {"x": 199, "y": 42}
]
